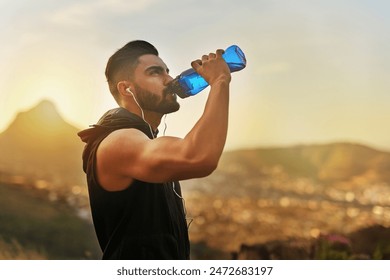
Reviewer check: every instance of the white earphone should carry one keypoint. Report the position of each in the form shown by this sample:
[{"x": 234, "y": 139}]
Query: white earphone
[
  {"x": 135, "y": 99},
  {"x": 129, "y": 91},
  {"x": 142, "y": 111}
]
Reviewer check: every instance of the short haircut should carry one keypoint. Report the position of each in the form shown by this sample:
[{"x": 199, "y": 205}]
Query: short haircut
[{"x": 122, "y": 63}]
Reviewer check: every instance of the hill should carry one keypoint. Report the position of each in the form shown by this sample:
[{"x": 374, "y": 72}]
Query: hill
[
  {"x": 326, "y": 163},
  {"x": 254, "y": 196},
  {"x": 40, "y": 144},
  {"x": 335, "y": 165},
  {"x": 32, "y": 227}
]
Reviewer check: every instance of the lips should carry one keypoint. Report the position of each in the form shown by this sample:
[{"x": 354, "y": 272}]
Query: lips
[
  {"x": 172, "y": 88},
  {"x": 169, "y": 91},
  {"x": 173, "y": 95}
]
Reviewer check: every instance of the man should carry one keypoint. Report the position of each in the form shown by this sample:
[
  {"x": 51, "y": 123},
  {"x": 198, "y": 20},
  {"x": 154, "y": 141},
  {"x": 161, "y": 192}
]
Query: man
[{"x": 133, "y": 176}]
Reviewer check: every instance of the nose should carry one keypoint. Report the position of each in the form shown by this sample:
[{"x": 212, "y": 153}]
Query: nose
[{"x": 168, "y": 78}]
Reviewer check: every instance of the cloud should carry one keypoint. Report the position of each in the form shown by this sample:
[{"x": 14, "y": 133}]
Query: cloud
[
  {"x": 274, "y": 68},
  {"x": 125, "y": 6},
  {"x": 77, "y": 14}
]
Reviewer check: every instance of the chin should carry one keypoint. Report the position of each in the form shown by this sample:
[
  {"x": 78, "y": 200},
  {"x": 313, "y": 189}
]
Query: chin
[
  {"x": 174, "y": 108},
  {"x": 168, "y": 108}
]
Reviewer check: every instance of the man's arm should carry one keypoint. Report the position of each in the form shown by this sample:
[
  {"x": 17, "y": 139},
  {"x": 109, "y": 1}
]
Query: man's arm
[{"x": 128, "y": 154}]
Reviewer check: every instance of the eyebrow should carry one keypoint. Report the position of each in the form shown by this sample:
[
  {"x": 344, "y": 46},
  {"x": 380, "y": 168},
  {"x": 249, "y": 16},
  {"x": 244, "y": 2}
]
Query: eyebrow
[{"x": 156, "y": 67}]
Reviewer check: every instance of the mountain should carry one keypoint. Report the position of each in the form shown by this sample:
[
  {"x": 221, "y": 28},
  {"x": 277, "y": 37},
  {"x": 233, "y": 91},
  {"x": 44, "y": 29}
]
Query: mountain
[
  {"x": 325, "y": 163},
  {"x": 264, "y": 171},
  {"x": 254, "y": 196},
  {"x": 40, "y": 144}
]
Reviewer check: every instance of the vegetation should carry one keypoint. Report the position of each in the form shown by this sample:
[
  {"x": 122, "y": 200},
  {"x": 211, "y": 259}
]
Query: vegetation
[
  {"x": 32, "y": 227},
  {"x": 14, "y": 251}
]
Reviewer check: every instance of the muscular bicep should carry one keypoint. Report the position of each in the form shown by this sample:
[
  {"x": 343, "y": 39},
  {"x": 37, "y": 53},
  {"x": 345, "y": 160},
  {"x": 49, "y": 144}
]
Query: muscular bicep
[{"x": 129, "y": 154}]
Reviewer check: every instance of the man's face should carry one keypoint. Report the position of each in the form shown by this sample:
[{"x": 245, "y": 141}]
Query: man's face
[{"x": 151, "y": 77}]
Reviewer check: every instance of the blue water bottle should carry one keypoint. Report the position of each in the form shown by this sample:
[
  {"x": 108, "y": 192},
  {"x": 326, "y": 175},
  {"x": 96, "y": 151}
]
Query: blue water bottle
[{"x": 189, "y": 82}]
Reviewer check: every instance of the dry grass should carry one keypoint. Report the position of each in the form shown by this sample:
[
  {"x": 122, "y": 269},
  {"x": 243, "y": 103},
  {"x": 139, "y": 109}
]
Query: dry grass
[{"x": 13, "y": 250}]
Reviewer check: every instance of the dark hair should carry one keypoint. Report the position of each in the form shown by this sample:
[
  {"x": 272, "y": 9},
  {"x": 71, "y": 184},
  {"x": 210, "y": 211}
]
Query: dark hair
[{"x": 122, "y": 63}]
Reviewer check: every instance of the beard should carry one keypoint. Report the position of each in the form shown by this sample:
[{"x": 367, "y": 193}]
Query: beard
[{"x": 164, "y": 104}]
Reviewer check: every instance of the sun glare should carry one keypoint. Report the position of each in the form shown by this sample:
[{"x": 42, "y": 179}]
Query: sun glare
[{"x": 63, "y": 85}]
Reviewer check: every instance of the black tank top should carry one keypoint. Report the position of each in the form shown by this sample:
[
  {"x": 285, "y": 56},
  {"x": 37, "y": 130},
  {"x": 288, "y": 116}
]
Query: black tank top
[{"x": 144, "y": 221}]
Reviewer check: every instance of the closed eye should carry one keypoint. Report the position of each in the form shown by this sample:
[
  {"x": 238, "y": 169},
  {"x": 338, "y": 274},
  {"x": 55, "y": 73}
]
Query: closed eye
[{"x": 152, "y": 70}]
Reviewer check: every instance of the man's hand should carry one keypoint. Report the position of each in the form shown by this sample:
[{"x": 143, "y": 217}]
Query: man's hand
[{"x": 212, "y": 68}]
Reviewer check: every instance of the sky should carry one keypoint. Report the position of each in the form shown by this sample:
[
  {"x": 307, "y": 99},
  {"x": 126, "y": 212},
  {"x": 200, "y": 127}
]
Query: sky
[{"x": 317, "y": 72}]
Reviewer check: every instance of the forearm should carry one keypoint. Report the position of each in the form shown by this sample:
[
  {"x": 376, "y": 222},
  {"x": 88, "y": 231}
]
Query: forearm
[{"x": 207, "y": 138}]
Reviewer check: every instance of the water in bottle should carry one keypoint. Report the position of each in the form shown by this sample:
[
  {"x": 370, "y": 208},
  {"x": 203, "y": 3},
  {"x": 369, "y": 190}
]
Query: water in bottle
[{"x": 189, "y": 82}]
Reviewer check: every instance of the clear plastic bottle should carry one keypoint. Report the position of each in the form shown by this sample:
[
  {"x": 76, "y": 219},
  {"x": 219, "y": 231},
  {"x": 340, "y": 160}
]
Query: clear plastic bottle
[{"x": 189, "y": 82}]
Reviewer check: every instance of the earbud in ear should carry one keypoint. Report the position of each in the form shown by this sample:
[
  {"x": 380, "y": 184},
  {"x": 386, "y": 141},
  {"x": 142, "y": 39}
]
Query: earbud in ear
[{"x": 132, "y": 94}]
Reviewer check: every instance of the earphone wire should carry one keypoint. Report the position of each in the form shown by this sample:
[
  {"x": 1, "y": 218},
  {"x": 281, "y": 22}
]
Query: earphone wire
[
  {"x": 173, "y": 183},
  {"x": 142, "y": 114},
  {"x": 190, "y": 219},
  {"x": 165, "y": 124}
]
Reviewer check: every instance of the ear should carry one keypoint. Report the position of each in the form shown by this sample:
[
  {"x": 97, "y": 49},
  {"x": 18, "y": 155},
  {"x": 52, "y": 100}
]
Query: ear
[{"x": 122, "y": 86}]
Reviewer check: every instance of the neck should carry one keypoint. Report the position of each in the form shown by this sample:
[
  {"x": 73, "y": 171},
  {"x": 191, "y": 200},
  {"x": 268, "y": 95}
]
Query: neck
[{"x": 153, "y": 118}]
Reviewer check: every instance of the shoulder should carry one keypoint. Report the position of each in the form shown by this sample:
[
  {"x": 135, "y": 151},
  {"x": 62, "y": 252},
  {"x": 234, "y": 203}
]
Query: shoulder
[
  {"x": 122, "y": 140},
  {"x": 114, "y": 154}
]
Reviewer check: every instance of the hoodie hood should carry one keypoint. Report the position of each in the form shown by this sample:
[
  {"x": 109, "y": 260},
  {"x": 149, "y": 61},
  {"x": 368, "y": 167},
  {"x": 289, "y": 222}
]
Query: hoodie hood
[{"x": 114, "y": 119}]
